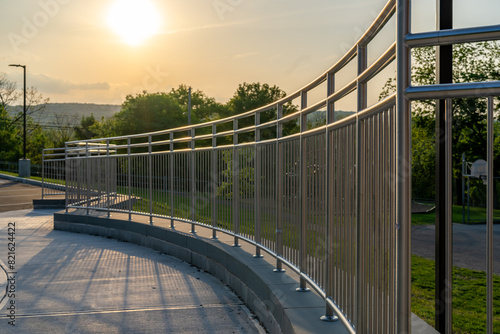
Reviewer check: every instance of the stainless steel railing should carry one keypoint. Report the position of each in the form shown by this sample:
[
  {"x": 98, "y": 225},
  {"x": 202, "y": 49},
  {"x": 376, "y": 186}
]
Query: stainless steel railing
[
  {"x": 320, "y": 200},
  {"x": 53, "y": 172},
  {"x": 332, "y": 203}
]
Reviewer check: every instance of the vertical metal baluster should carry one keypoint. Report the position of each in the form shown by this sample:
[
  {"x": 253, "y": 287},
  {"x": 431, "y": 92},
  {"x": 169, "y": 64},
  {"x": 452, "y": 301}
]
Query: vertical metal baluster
[
  {"x": 385, "y": 218},
  {"x": 192, "y": 156},
  {"x": 107, "y": 180},
  {"x": 302, "y": 195},
  {"x": 68, "y": 178},
  {"x": 279, "y": 190},
  {"x": 368, "y": 232},
  {"x": 330, "y": 111},
  {"x": 489, "y": 218},
  {"x": 236, "y": 188},
  {"x": 360, "y": 237},
  {"x": 351, "y": 170},
  {"x": 257, "y": 192},
  {"x": 150, "y": 178},
  {"x": 379, "y": 223},
  {"x": 129, "y": 180},
  {"x": 215, "y": 180},
  {"x": 43, "y": 173},
  {"x": 337, "y": 174},
  {"x": 171, "y": 177},
  {"x": 87, "y": 160},
  {"x": 393, "y": 222},
  {"x": 449, "y": 207}
]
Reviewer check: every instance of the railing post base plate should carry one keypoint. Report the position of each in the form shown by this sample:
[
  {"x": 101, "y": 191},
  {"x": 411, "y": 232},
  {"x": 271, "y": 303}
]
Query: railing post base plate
[{"x": 329, "y": 318}]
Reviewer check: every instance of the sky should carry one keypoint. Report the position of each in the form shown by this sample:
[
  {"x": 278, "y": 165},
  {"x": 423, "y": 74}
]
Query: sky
[{"x": 92, "y": 51}]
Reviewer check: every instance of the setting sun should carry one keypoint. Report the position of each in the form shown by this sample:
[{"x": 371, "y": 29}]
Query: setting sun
[{"x": 133, "y": 20}]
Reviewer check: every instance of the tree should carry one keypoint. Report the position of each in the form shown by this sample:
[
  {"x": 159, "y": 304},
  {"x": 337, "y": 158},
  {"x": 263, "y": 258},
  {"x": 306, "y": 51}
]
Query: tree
[
  {"x": 250, "y": 96},
  {"x": 64, "y": 129},
  {"x": 87, "y": 128},
  {"x": 203, "y": 108},
  {"x": 149, "y": 112},
  {"x": 473, "y": 62},
  {"x": 10, "y": 149},
  {"x": 11, "y": 125}
]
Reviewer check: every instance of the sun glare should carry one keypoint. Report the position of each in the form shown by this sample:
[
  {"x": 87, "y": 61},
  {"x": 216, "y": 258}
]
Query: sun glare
[{"x": 133, "y": 20}]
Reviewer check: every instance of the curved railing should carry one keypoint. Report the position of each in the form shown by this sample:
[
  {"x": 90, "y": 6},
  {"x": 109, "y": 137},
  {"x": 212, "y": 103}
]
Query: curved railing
[{"x": 330, "y": 200}]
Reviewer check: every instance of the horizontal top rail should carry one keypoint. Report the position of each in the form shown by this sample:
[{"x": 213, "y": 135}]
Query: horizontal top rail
[
  {"x": 453, "y": 36},
  {"x": 454, "y": 90}
]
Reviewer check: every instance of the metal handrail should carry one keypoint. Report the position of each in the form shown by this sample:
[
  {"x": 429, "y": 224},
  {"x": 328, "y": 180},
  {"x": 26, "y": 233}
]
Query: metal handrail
[{"x": 215, "y": 186}]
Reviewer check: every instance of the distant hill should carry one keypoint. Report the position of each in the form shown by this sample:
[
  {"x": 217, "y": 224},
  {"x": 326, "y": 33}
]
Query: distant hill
[
  {"x": 79, "y": 109},
  {"x": 83, "y": 109},
  {"x": 71, "y": 112}
]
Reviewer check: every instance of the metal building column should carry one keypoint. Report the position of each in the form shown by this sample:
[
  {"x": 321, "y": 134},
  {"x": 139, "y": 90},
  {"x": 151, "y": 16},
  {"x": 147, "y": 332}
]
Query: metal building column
[
  {"x": 403, "y": 170},
  {"x": 444, "y": 256}
]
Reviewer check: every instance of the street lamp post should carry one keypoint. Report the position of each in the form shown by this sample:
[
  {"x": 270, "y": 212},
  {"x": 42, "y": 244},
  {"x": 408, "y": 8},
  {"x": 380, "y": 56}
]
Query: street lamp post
[{"x": 24, "y": 164}]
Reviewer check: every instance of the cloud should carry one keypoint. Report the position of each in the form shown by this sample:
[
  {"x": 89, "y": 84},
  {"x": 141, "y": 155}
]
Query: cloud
[
  {"x": 237, "y": 56},
  {"x": 255, "y": 21},
  {"x": 60, "y": 86}
]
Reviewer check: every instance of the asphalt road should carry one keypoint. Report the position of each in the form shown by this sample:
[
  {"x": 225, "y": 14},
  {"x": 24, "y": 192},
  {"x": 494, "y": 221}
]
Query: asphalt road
[
  {"x": 17, "y": 196},
  {"x": 469, "y": 245}
]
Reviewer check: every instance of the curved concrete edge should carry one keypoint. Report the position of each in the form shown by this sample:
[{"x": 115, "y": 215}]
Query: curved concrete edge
[{"x": 271, "y": 296}]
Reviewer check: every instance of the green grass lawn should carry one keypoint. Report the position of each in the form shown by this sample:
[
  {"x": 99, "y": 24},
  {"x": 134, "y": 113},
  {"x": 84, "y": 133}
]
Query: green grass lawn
[
  {"x": 9, "y": 173},
  {"x": 469, "y": 297},
  {"x": 476, "y": 215}
]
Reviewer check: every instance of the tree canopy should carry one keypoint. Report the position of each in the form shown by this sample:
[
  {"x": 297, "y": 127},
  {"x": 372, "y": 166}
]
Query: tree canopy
[
  {"x": 11, "y": 122},
  {"x": 472, "y": 62}
]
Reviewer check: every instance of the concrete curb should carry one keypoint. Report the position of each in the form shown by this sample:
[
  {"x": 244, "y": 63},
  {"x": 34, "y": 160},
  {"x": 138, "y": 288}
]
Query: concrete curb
[
  {"x": 21, "y": 180},
  {"x": 32, "y": 182}
]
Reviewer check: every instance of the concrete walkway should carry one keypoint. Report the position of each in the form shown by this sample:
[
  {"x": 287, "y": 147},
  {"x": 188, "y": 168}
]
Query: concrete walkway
[{"x": 76, "y": 283}]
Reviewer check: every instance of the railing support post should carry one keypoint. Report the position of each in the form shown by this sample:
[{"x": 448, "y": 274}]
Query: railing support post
[
  {"x": 403, "y": 170},
  {"x": 279, "y": 190},
  {"x": 129, "y": 180},
  {"x": 257, "y": 188},
  {"x": 236, "y": 186},
  {"x": 329, "y": 316},
  {"x": 150, "y": 179},
  {"x": 303, "y": 197},
  {"x": 193, "y": 180},
  {"x": 108, "y": 177},
  {"x": 66, "y": 177},
  {"x": 171, "y": 173},
  {"x": 215, "y": 181},
  {"x": 444, "y": 74},
  {"x": 87, "y": 164},
  {"x": 43, "y": 172}
]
